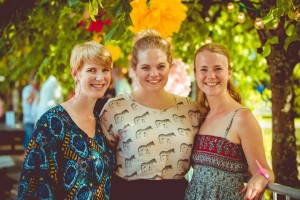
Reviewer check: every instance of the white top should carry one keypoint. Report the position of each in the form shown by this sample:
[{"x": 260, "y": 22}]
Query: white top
[
  {"x": 50, "y": 96},
  {"x": 122, "y": 86},
  {"x": 151, "y": 143},
  {"x": 26, "y": 106}
]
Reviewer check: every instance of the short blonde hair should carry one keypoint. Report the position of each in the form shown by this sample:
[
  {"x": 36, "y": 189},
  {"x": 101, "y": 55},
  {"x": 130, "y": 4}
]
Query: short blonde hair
[{"x": 90, "y": 51}]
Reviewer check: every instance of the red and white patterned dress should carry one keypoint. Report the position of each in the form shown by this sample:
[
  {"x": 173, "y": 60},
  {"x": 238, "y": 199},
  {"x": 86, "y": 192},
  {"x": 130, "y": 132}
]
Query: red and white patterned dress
[{"x": 220, "y": 168}]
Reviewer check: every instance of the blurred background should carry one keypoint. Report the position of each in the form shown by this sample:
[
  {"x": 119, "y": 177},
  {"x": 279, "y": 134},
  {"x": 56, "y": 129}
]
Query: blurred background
[{"x": 36, "y": 37}]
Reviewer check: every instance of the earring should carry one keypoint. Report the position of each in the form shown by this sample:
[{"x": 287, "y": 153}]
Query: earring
[{"x": 75, "y": 89}]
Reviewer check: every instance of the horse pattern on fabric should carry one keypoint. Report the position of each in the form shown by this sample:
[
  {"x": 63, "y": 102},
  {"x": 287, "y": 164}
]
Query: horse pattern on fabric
[{"x": 151, "y": 143}]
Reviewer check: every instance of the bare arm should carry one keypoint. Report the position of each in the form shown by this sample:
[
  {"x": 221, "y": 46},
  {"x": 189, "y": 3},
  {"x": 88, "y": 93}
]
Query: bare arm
[{"x": 251, "y": 138}]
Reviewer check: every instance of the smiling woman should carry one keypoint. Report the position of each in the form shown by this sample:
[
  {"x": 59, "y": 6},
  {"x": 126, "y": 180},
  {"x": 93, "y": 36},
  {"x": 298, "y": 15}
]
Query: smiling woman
[
  {"x": 229, "y": 142},
  {"x": 151, "y": 129},
  {"x": 68, "y": 157}
]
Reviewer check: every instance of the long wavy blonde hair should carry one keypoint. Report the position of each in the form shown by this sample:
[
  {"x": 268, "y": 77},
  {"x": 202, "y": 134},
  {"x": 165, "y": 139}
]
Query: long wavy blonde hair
[{"x": 233, "y": 92}]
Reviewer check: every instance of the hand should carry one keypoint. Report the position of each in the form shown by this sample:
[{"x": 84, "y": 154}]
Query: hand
[{"x": 255, "y": 188}]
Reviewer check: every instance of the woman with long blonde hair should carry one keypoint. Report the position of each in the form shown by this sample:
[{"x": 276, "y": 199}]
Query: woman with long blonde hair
[{"x": 229, "y": 142}]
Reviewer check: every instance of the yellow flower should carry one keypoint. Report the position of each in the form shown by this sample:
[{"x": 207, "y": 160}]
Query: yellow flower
[
  {"x": 138, "y": 14},
  {"x": 97, "y": 37},
  {"x": 114, "y": 50},
  {"x": 164, "y": 16}
]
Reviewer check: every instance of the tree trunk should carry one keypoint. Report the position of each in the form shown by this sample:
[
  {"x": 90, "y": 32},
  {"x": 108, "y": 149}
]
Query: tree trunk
[{"x": 284, "y": 141}]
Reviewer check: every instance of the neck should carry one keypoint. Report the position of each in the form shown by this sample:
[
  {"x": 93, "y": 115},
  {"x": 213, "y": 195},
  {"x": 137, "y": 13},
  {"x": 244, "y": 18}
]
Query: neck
[
  {"x": 158, "y": 99},
  {"x": 219, "y": 104},
  {"x": 82, "y": 106},
  {"x": 155, "y": 95}
]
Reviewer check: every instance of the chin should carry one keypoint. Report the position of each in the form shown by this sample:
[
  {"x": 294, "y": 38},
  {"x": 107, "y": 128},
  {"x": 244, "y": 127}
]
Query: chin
[{"x": 98, "y": 95}]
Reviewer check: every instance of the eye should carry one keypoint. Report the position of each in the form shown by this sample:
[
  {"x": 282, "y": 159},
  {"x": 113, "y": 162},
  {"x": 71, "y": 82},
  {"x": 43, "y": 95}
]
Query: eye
[
  {"x": 106, "y": 70},
  {"x": 91, "y": 70},
  {"x": 219, "y": 68},
  {"x": 161, "y": 66},
  {"x": 145, "y": 68},
  {"x": 203, "y": 70}
]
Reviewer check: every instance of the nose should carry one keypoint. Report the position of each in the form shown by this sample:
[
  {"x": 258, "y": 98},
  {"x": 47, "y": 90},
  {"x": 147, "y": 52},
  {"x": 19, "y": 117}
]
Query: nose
[
  {"x": 154, "y": 72},
  {"x": 211, "y": 73},
  {"x": 99, "y": 76}
]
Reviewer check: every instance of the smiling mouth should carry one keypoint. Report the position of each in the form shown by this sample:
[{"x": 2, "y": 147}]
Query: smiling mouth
[
  {"x": 211, "y": 84},
  {"x": 98, "y": 85},
  {"x": 154, "y": 81}
]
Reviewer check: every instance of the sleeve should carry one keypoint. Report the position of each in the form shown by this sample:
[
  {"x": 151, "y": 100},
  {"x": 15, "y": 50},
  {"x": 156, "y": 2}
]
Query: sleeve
[
  {"x": 39, "y": 174},
  {"x": 107, "y": 122}
]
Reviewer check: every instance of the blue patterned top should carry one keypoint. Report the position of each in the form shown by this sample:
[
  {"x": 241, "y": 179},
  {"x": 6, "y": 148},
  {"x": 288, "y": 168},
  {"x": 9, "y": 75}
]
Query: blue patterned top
[{"x": 62, "y": 162}]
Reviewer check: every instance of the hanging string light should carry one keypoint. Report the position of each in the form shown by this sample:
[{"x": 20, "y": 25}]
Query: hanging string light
[
  {"x": 241, "y": 15},
  {"x": 230, "y": 6},
  {"x": 258, "y": 24},
  {"x": 297, "y": 15},
  {"x": 209, "y": 38}
]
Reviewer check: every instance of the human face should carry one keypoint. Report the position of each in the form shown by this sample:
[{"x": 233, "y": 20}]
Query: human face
[
  {"x": 152, "y": 69},
  {"x": 93, "y": 80},
  {"x": 212, "y": 73}
]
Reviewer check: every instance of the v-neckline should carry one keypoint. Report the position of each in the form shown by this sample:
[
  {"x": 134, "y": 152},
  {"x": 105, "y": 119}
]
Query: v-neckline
[{"x": 96, "y": 123}]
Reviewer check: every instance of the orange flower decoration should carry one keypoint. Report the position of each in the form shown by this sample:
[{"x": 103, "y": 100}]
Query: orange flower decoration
[
  {"x": 114, "y": 50},
  {"x": 164, "y": 16}
]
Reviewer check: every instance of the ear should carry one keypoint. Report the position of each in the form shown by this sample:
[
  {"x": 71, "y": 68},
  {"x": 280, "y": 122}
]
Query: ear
[
  {"x": 74, "y": 73},
  {"x": 133, "y": 68}
]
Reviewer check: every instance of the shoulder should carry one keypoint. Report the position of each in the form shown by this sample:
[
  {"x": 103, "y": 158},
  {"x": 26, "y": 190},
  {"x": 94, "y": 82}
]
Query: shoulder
[
  {"x": 116, "y": 103},
  {"x": 52, "y": 122},
  {"x": 189, "y": 102},
  {"x": 120, "y": 97},
  {"x": 245, "y": 121},
  {"x": 27, "y": 88},
  {"x": 243, "y": 116},
  {"x": 119, "y": 100}
]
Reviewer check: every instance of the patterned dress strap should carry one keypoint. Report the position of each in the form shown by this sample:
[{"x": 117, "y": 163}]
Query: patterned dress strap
[{"x": 229, "y": 125}]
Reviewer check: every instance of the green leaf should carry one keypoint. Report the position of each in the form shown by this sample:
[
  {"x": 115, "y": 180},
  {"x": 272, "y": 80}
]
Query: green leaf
[
  {"x": 110, "y": 34},
  {"x": 269, "y": 16},
  {"x": 95, "y": 7},
  {"x": 290, "y": 30},
  {"x": 273, "y": 40},
  {"x": 66, "y": 10},
  {"x": 73, "y": 3},
  {"x": 91, "y": 11},
  {"x": 266, "y": 50},
  {"x": 278, "y": 12},
  {"x": 127, "y": 20},
  {"x": 126, "y": 6},
  {"x": 117, "y": 9},
  {"x": 273, "y": 24},
  {"x": 100, "y": 3},
  {"x": 289, "y": 40},
  {"x": 291, "y": 14},
  {"x": 296, "y": 71},
  {"x": 116, "y": 33}
]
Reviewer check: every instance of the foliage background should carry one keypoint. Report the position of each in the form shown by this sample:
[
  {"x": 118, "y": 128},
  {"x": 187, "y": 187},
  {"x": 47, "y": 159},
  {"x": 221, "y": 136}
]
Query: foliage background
[{"x": 39, "y": 36}]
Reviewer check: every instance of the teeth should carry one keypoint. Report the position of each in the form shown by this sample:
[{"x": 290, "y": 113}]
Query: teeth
[
  {"x": 211, "y": 84},
  {"x": 156, "y": 81},
  {"x": 98, "y": 86}
]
